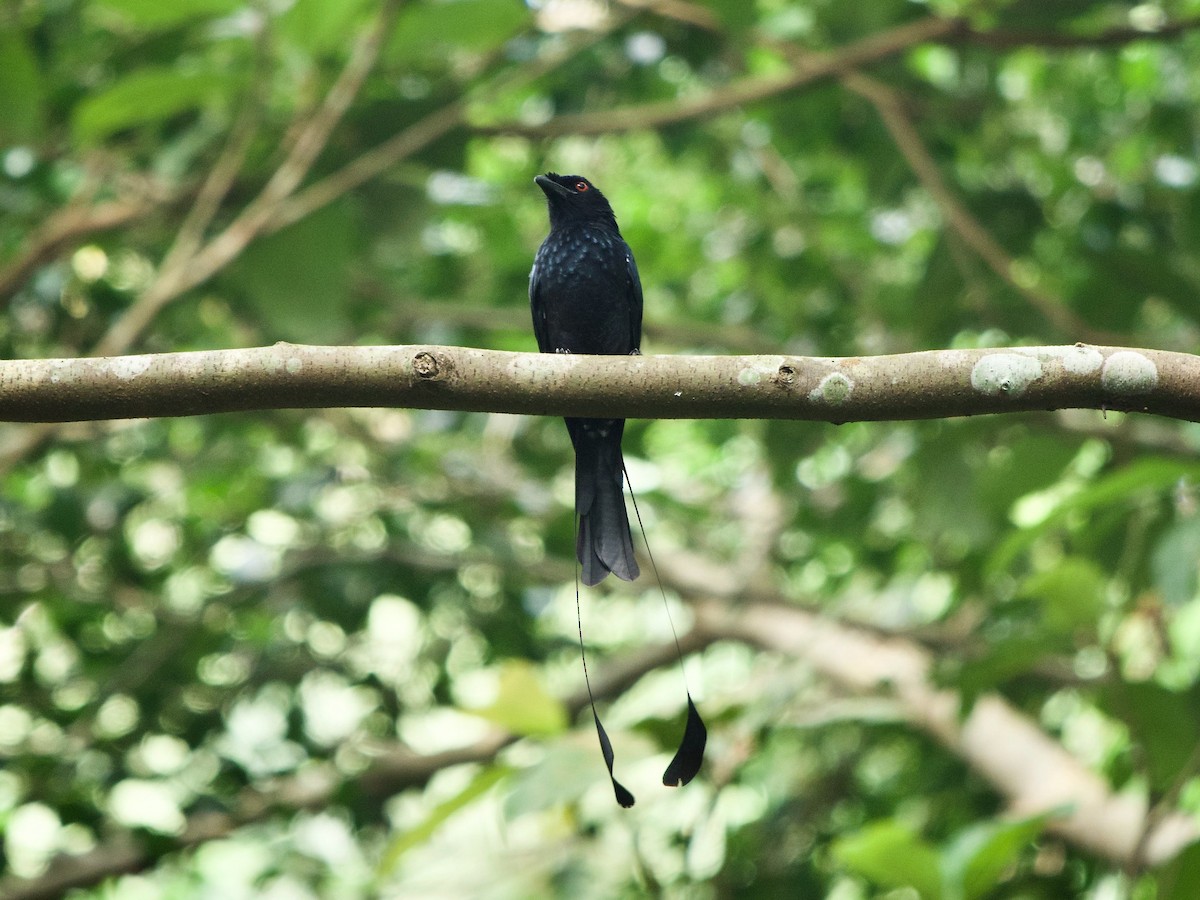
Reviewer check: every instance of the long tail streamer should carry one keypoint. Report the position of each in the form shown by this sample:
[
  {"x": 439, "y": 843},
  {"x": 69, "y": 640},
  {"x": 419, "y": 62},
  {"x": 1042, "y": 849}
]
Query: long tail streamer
[
  {"x": 690, "y": 755},
  {"x": 624, "y": 797},
  {"x": 688, "y": 758}
]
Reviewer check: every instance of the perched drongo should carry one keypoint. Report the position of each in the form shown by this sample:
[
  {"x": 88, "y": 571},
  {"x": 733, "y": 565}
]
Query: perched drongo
[{"x": 586, "y": 297}]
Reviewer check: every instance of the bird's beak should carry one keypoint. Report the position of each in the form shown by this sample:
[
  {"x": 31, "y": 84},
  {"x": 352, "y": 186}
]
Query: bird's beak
[{"x": 550, "y": 188}]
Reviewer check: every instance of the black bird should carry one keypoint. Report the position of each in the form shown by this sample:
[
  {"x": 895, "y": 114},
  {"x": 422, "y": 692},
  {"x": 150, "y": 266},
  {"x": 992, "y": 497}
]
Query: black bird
[{"x": 586, "y": 297}]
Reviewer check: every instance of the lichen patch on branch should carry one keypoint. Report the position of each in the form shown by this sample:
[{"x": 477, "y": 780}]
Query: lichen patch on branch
[
  {"x": 834, "y": 389},
  {"x": 1129, "y": 372},
  {"x": 1005, "y": 373},
  {"x": 749, "y": 376},
  {"x": 1079, "y": 359}
]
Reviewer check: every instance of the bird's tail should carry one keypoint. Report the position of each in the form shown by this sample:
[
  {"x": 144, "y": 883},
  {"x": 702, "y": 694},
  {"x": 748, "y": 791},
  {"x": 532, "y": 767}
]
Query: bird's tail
[{"x": 604, "y": 543}]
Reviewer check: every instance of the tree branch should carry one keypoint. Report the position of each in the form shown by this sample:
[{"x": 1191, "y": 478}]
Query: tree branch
[
  {"x": 191, "y": 261},
  {"x": 1033, "y": 771},
  {"x": 68, "y": 225},
  {"x": 394, "y": 771},
  {"x": 284, "y": 210},
  {"x": 1010, "y": 38},
  {"x": 199, "y": 263},
  {"x": 1003, "y": 745},
  {"x": 816, "y": 67},
  {"x": 374, "y": 162},
  {"x": 813, "y": 68},
  {"x": 924, "y": 385},
  {"x": 212, "y": 192},
  {"x": 890, "y": 107}
]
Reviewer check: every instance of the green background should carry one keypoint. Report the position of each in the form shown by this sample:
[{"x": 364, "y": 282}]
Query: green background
[{"x": 215, "y": 631}]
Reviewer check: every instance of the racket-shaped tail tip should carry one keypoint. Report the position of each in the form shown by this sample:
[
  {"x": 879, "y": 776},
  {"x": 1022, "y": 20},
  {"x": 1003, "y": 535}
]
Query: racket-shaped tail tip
[{"x": 690, "y": 755}]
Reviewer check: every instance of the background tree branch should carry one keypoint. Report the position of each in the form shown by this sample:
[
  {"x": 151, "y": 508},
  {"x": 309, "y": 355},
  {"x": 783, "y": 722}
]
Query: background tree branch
[
  {"x": 1001, "y": 744},
  {"x": 394, "y": 769},
  {"x": 1031, "y": 770}
]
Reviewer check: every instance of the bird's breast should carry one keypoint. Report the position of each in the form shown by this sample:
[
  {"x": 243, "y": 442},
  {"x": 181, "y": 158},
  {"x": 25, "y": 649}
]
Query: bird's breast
[
  {"x": 584, "y": 258},
  {"x": 585, "y": 289}
]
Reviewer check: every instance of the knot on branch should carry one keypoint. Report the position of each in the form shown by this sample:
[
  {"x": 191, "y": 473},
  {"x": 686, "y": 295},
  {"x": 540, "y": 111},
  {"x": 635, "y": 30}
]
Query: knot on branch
[{"x": 426, "y": 367}]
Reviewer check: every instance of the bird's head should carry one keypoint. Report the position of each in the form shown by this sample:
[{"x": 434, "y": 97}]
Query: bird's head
[{"x": 572, "y": 198}]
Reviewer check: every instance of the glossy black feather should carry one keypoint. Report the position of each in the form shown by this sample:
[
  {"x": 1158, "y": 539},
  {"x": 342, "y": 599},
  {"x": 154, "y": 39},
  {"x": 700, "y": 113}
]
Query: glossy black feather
[
  {"x": 624, "y": 797},
  {"x": 688, "y": 758},
  {"x": 586, "y": 297}
]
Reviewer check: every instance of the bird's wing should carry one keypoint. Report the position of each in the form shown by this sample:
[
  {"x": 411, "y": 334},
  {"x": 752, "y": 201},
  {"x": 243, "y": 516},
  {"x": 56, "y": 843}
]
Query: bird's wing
[
  {"x": 635, "y": 301},
  {"x": 537, "y": 306}
]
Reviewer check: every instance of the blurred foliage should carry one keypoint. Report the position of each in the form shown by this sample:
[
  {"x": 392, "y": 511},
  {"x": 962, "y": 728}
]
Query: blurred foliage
[{"x": 195, "y": 608}]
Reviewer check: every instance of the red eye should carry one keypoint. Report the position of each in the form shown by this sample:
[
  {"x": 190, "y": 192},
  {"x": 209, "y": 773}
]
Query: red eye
[{"x": 581, "y": 186}]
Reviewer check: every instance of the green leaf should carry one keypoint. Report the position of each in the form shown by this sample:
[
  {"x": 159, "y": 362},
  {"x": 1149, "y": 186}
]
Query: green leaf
[
  {"x": 297, "y": 279},
  {"x": 428, "y": 29},
  {"x": 568, "y": 768},
  {"x": 1031, "y": 462},
  {"x": 1005, "y": 659},
  {"x": 890, "y": 854},
  {"x": 414, "y": 837},
  {"x": 1141, "y": 477},
  {"x": 318, "y": 25},
  {"x": 1175, "y": 562},
  {"x": 145, "y": 96},
  {"x": 522, "y": 705},
  {"x": 946, "y": 478},
  {"x": 157, "y": 14},
  {"x": 1178, "y": 879},
  {"x": 20, "y": 90},
  {"x": 736, "y": 16},
  {"x": 1120, "y": 276},
  {"x": 977, "y": 857},
  {"x": 1163, "y": 723},
  {"x": 1071, "y": 593}
]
